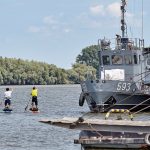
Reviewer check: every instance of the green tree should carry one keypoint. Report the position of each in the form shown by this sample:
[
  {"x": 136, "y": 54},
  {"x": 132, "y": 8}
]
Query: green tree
[
  {"x": 89, "y": 56},
  {"x": 83, "y": 72}
]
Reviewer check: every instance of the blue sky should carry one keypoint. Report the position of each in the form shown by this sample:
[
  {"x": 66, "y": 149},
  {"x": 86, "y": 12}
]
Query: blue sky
[{"x": 55, "y": 31}]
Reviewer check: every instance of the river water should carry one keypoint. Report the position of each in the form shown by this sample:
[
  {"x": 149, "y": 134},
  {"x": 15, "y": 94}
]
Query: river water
[{"x": 22, "y": 130}]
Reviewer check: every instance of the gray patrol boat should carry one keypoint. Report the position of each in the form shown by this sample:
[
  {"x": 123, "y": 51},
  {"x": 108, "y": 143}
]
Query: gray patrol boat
[{"x": 124, "y": 74}]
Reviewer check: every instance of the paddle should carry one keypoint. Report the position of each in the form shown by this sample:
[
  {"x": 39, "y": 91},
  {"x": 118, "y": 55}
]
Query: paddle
[{"x": 27, "y": 105}]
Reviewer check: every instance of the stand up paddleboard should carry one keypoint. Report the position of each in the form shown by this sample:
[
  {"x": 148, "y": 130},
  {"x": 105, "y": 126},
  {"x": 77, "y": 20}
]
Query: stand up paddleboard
[
  {"x": 34, "y": 110},
  {"x": 7, "y": 110}
]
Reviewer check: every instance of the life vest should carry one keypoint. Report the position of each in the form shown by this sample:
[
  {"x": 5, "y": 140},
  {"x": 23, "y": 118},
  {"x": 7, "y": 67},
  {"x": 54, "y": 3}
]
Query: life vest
[{"x": 34, "y": 92}]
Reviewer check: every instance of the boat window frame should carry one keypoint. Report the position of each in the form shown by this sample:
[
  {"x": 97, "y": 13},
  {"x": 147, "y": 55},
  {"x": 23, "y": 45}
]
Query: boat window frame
[
  {"x": 135, "y": 60},
  {"x": 130, "y": 61},
  {"x": 139, "y": 59},
  {"x": 108, "y": 63},
  {"x": 121, "y": 56}
]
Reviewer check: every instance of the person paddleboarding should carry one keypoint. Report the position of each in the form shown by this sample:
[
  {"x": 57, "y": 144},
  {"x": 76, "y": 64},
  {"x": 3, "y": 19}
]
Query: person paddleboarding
[
  {"x": 34, "y": 104},
  {"x": 7, "y": 98}
]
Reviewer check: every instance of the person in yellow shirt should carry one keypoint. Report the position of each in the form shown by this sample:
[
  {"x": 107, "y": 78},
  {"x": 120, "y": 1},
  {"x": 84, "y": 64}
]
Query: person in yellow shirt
[{"x": 34, "y": 94}]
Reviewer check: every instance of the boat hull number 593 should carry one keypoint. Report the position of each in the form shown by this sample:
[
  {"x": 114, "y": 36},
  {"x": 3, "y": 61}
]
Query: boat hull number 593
[{"x": 123, "y": 86}]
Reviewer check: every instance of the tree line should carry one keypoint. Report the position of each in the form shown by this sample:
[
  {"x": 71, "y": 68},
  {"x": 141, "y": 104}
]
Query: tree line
[{"x": 24, "y": 72}]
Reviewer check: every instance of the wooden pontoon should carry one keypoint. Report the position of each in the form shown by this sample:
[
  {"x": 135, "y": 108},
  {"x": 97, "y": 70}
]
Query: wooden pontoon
[{"x": 101, "y": 125}]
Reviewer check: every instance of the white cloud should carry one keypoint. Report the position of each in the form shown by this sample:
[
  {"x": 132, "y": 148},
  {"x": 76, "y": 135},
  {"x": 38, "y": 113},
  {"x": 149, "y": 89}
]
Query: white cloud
[
  {"x": 49, "y": 20},
  {"x": 129, "y": 15},
  {"x": 34, "y": 29},
  {"x": 50, "y": 26},
  {"x": 97, "y": 10},
  {"x": 86, "y": 21},
  {"x": 114, "y": 9},
  {"x": 100, "y": 15},
  {"x": 96, "y": 24},
  {"x": 67, "y": 30}
]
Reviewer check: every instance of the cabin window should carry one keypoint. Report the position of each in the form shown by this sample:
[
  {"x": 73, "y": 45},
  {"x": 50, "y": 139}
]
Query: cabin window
[
  {"x": 135, "y": 59},
  {"x": 148, "y": 61},
  {"x": 139, "y": 58},
  {"x": 117, "y": 59},
  {"x": 106, "y": 60},
  {"x": 128, "y": 59}
]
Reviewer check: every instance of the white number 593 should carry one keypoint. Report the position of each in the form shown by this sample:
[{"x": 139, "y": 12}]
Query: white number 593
[{"x": 123, "y": 86}]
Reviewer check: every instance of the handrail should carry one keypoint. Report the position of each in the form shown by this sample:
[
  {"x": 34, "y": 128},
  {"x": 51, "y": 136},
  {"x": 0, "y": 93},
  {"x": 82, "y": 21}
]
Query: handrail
[{"x": 119, "y": 111}]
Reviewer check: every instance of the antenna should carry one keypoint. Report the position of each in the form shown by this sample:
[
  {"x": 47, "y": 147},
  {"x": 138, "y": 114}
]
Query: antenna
[
  {"x": 123, "y": 24},
  {"x": 142, "y": 19}
]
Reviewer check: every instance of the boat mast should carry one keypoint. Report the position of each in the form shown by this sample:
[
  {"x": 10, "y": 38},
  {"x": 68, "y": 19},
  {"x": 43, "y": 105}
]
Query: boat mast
[{"x": 123, "y": 24}]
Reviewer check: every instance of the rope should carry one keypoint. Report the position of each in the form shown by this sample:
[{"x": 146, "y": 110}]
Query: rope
[
  {"x": 119, "y": 102},
  {"x": 90, "y": 124},
  {"x": 128, "y": 96},
  {"x": 140, "y": 73},
  {"x": 95, "y": 130},
  {"x": 139, "y": 104},
  {"x": 141, "y": 110}
]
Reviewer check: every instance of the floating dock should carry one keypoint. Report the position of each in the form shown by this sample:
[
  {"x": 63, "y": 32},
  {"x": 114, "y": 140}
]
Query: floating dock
[
  {"x": 98, "y": 133},
  {"x": 91, "y": 140},
  {"x": 101, "y": 125}
]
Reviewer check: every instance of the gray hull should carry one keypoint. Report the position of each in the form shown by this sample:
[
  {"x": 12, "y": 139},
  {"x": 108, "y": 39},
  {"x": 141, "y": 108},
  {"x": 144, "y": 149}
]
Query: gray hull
[
  {"x": 102, "y": 97},
  {"x": 123, "y": 73}
]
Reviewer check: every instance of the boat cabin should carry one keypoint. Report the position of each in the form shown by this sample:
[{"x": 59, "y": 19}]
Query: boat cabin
[{"x": 125, "y": 62}]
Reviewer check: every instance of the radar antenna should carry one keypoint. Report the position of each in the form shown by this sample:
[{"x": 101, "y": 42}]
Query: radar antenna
[{"x": 123, "y": 24}]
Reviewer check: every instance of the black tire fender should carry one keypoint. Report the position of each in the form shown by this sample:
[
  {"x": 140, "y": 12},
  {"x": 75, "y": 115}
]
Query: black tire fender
[
  {"x": 147, "y": 139},
  {"x": 81, "y": 99}
]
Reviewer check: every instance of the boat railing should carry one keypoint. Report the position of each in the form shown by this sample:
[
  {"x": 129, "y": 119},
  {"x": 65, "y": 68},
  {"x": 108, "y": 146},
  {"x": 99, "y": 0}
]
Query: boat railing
[
  {"x": 119, "y": 111},
  {"x": 119, "y": 43}
]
